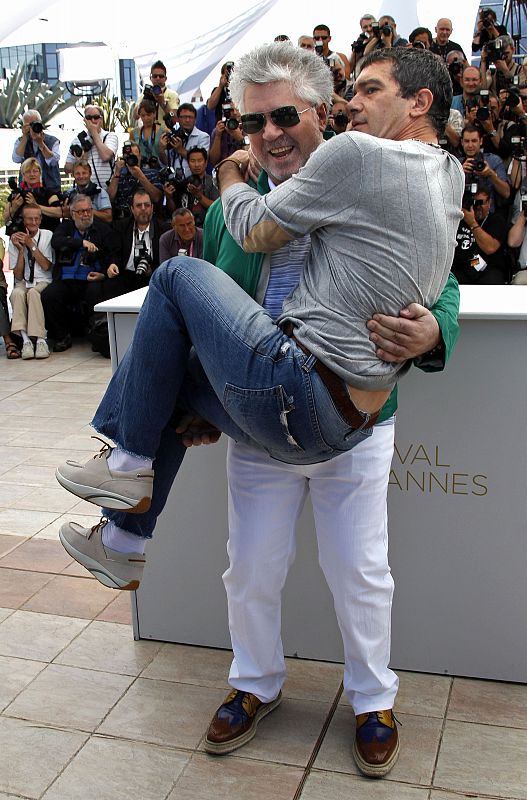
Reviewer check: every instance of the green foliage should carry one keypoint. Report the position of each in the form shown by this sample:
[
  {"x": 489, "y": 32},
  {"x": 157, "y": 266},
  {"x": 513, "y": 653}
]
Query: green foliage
[
  {"x": 20, "y": 94},
  {"x": 116, "y": 112},
  {"x": 5, "y": 191}
]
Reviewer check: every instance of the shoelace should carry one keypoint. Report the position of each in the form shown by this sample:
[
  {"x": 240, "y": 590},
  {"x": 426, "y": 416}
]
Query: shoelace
[
  {"x": 103, "y": 520},
  {"x": 104, "y": 449}
]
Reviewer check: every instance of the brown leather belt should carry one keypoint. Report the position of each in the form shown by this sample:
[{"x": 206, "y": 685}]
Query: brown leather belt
[{"x": 336, "y": 388}]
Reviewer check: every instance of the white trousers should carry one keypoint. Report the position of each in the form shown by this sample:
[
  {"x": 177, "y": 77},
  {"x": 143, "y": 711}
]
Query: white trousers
[{"x": 348, "y": 495}]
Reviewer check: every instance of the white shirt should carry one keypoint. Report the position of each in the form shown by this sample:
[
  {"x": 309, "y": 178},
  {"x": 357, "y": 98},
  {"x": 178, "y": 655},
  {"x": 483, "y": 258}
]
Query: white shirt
[
  {"x": 137, "y": 237},
  {"x": 101, "y": 171},
  {"x": 42, "y": 240}
]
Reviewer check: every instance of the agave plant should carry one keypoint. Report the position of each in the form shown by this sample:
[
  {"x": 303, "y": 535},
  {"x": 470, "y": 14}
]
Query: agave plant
[
  {"x": 20, "y": 94},
  {"x": 116, "y": 113}
]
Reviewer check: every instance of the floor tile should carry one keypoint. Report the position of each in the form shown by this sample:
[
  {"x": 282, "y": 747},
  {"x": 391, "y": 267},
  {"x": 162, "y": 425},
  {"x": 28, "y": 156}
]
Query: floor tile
[
  {"x": 9, "y": 543},
  {"x": 312, "y": 680},
  {"x": 289, "y": 734},
  {"x": 38, "y": 636},
  {"x": 419, "y": 744},
  {"x": 29, "y": 475},
  {"x": 422, "y": 694},
  {"x": 17, "y": 586},
  {"x": 484, "y": 759},
  {"x": 208, "y": 778},
  {"x": 15, "y": 674},
  {"x": 440, "y": 795},
  {"x": 109, "y": 647},
  {"x": 11, "y": 492},
  {"x": 11, "y": 387},
  {"x": 5, "y": 612},
  {"x": 24, "y": 523},
  {"x": 488, "y": 702},
  {"x": 40, "y": 555},
  {"x": 200, "y": 666},
  {"x": 137, "y": 770},
  {"x": 70, "y": 697},
  {"x": 119, "y": 610},
  {"x": 78, "y": 571},
  {"x": 51, "y": 458},
  {"x": 44, "y": 439},
  {"x": 71, "y": 597},
  {"x": 159, "y": 712},
  {"x": 47, "y": 499},
  {"x": 24, "y": 745},
  {"x": 333, "y": 786}
]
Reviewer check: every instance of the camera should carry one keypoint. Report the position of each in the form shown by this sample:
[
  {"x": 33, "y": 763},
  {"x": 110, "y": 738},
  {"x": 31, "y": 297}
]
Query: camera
[
  {"x": 65, "y": 256},
  {"x": 88, "y": 259},
  {"x": 484, "y": 97},
  {"x": 483, "y": 113},
  {"x": 359, "y": 44},
  {"x": 488, "y": 19},
  {"x": 523, "y": 200},
  {"x": 386, "y": 30},
  {"x": 319, "y": 47},
  {"x": 178, "y": 133},
  {"x": 170, "y": 119},
  {"x": 376, "y": 29},
  {"x": 84, "y": 145},
  {"x": 176, "y": 179},
  {"x": 471, "y": 189},
  {"x": 36, "y": 127},
  {"x": 194, "y": 180},
  {"x": 229, "y": 66},
  {"x": 142, "y": 259},
  {"x": 90, "y": 190},
  {"x": 232, "y": 124},
  {"x": 518, "y": 147},
  {"x": 152, "y": 162},
  {"x": 494, "y": 50},
  {"x": 340, "y": 120},
  {"x": 151, "y": 92},
  {"x": 14, "y": 226},
  {"x": 513, "y": 98},
  {"x": 129, "y": 158},
  {"x": 455, "y": 68},
  {"x": 478, "y": 162}
]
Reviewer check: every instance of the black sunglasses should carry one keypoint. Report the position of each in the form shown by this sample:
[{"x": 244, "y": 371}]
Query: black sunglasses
[
  {"x": 283, "y": 117},
  {"x": 92, "y": 116}
]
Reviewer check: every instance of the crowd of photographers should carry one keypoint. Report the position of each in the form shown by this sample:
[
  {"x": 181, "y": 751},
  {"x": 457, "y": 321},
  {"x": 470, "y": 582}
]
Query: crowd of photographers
[{"x": 130, "y": 210}]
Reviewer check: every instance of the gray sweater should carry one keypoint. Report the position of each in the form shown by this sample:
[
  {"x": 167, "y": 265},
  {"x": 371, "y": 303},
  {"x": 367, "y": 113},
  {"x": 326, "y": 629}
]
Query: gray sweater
[{"x": 383, "y": 217}]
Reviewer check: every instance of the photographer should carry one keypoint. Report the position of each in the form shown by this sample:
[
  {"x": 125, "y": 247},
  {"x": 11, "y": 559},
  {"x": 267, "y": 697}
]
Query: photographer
[
  {"x": 357, "y": 48},
  {"x": 488, "y": 170},
  {"x": 442, "y": 45},
  {"x": 421, "y": 37},
  {"x": 196, "y": 193},
  {"x": 83, "y": 184},
  {"x": 479, "y": 257},
  {"x": 137, "y": 253},
  {"x": 499, "y": 52},
  {"x": 129, "y": 176},
  {"x": 339, "y": 116},
  {"x": 342, "y": 89},
  {"x": 148, "y": 135},
  {"x": 183, "y": 236},
  {"x": 306, "y": 43},
  {"x": 30, "y": 193},
  {"x": 84, "y": 249},
  {"x": 30, "y": 258},
  {"x": 211, "y": 112},
  {"x": 94, "y": 145},
  {"x": 180, "y": 140},
  {"x": 487, "y": 29},
  {"x": 456, "y": 63},
  {"x": 385, "y": 35},
  {"x": 157, "y": 92},
  {"x": 470, "y": 83},
  {"x": 227, "y": 136},
  {"x": 37, "y": 144},
  {"x": 322, "y": 37},
  {"x": 517, "y": 238}
]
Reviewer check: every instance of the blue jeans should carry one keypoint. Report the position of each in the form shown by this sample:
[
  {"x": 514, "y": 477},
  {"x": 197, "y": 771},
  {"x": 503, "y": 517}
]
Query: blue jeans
[{"x": 252, "y": 381}]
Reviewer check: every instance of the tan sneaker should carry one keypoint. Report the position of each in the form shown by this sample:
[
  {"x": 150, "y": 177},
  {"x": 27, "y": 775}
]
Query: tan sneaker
[
  {"x": 96, "y": 483},
  {"x": 113, "y": 569},
  {"x": 41, "y": 350}
]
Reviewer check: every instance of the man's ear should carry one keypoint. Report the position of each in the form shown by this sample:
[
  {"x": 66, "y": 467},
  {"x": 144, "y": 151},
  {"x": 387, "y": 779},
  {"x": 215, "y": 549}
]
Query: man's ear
[
  {"x": 423, "y": 100},
  {"x": 322, "y": 114}
]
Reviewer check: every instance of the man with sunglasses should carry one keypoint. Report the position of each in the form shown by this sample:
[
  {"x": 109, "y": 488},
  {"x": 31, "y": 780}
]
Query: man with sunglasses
[
  {"x": 266, "y": 496},
  {"x": 94, "y": 145},
  {"x": 166, "y": 99}
]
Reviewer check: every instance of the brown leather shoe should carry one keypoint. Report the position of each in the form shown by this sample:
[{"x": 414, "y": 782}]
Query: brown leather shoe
[
  {"x": 234, "y": 723},
  {"x": 376, "y": 747}
]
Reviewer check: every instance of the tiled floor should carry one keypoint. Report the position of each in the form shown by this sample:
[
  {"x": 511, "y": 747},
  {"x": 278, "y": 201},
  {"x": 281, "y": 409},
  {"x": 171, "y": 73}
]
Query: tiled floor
[{"x": 87, "y": 713}]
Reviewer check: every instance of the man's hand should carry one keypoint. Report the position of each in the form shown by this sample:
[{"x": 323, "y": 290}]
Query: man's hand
[
  {"x": 220, "y": 127},
  {"x": 169, "y": 189},
  {"x": 468, "y": 165},
  {"x": 18, "y": 240},
  {"x": 195, "y": 430},
  {"x": 89, "y": 246},
  {"x": 25, "y": 129},
  {"x": 469, "y": 217},
  {"x": 95, "y": 276},
  {"x": 414, "y": 332},
  {"x": 112, "y": 271},
  {"x": 136, "y": 172},
  {"x": 195, "y": 191},
  {"x": 30, "y": 200},
  {"x": 92, "y": 128}
]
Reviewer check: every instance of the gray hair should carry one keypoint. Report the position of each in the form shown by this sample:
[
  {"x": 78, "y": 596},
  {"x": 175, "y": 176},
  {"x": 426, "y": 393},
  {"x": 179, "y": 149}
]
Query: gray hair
[
  {"x": 77, "y": 198},
  {"x": 366, "y": 16},
  {"x": 33, "y": 113},
  {"x": 309, "y": 77},
  {"x": 507, "y": 41}
]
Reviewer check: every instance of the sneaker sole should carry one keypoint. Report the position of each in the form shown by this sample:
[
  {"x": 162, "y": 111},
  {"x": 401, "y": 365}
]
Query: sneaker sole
[
  {"x": 105, "y": 499},
  {"x": 372, "y": 770},
  {"x": 103, "y": 576},
  {"x": 222, "y": 748}
]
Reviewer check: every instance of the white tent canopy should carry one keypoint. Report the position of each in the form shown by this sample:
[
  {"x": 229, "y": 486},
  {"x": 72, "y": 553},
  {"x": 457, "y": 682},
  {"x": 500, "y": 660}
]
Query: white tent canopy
[{"x": 193, "y": 41}]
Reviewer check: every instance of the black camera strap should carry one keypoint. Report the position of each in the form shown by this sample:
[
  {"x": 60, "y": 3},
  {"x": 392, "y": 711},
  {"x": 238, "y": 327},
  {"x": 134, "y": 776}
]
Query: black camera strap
[{"x": 31, "y": 261}]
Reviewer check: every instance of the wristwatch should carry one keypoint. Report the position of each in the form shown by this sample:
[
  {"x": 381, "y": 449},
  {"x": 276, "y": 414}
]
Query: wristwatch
[{"x": 33, "y": 248}]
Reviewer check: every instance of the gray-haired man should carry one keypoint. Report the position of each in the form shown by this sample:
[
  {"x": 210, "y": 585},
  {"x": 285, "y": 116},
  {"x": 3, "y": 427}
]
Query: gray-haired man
[{"x": 34, "y": 142}]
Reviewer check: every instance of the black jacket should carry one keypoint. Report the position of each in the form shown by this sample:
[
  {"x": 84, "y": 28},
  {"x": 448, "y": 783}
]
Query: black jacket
[
  {"x": 124, "y": 233},
  {"x": 100, "y": 234}
]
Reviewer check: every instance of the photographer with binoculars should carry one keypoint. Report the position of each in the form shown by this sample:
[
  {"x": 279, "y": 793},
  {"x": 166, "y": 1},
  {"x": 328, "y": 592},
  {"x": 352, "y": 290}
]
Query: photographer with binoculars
[
  {"x": 157, "y": 92},
  {"x": 35, "y": 143},
  {"x": 131, "y": 174},
  {"x": 31, "y": 193},
  {"x": 94, "y": 145},
  {"x": 179, "y": 140}
]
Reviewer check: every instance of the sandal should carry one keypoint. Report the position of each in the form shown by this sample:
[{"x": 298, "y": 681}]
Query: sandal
[{"x": 12, "y": 351}]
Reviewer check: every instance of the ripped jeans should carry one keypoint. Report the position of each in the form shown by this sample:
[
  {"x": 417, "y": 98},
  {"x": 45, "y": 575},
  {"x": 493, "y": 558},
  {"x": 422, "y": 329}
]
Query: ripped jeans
[{"x": 252, "y": 381}]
